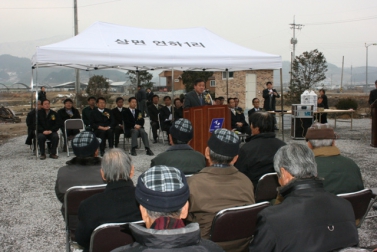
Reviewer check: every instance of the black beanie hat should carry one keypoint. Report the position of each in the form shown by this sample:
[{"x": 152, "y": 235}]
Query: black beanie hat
[
  {"x": 85, "y": 144},
  {"x": 224, "y": 142}
]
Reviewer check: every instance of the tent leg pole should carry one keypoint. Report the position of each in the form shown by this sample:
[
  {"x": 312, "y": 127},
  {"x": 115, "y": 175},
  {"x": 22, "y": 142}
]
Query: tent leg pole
[{"x": 282, "y": 103}]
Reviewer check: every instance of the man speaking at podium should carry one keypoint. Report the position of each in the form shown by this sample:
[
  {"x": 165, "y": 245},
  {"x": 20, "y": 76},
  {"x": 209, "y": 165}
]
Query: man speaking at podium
[{"x": 197, "y": 97}]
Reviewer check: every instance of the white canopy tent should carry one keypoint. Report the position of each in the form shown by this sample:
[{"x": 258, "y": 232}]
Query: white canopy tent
[{"x": 105, "y": 45}]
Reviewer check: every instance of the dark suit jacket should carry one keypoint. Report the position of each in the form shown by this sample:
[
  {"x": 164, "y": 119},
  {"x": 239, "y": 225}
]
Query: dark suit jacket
[
  {"x": 118, "y": 116},
  {"x": 153, "y": 112},
  {"x": 372, "y": 96},
  {"x": 51, "y": 122},
  {"x": 267, "y": 97},
  {"x": 164, "y": 114},
  {"x": 149, "y": 96},
  {"x": 130, "y": 120},
  {"x": 192, "y": 100},
  {"x": 115, "y": 205},
  {"x": 141, "y": 95},
  {"x": 42, "y": 96},
  {"x": 64, "y": 116},
  {"x": 178, "y": 113},
  {"x": 238, "y": 117},
  {"x": 99, "y": 119},
  {"x": 252, "y": 111}
]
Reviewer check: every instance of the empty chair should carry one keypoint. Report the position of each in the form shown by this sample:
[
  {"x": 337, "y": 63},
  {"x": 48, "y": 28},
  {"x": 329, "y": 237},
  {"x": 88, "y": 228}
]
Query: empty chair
[
  {"x": 233, "y": 228},
  {"x": 267, "y": 187},
  {"x": 72, "y": 200},
  {"x": 361, "y": 202},
  {"x": 111, "y": 236},
  {"x": 72, "y": 124}
]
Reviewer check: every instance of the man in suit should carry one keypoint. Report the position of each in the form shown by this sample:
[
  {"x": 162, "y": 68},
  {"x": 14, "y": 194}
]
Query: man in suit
[
  {"x": 49, "y": 123},
  {"x": 30, "y": 122},
  {"x": 102, "y": 122},
  {"x": 197, "y": 97},
  {"x": 134, "y": 126},
  {"x": 68, "y": 112},
  {"x": 42, "y": 94},
  {"x": 238, "y": 121},
  {"x": 118, "y": 118},
  {"x": 87, "y": 111},
  {"x": 141, "y": 96},
  {"x": 116, "y": 204},
  {"x": 166, "y": 115},
  {"x": 154, "y": 110},
  {"x": 178, "y": 109},
  {"x": 270, "y": 95},
  {"x": 373, "y": 94},
  {"x": 150, "y": 95},
  {"x": 237, "y": 101},
  {"x": 255, "y": 109}
]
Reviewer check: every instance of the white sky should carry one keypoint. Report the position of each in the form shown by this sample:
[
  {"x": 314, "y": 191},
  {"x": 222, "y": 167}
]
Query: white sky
[{"x": 335, "y": 27}]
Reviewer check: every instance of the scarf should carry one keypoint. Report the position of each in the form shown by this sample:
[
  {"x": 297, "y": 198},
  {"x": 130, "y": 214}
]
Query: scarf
[{"x": 167, "y": 223}]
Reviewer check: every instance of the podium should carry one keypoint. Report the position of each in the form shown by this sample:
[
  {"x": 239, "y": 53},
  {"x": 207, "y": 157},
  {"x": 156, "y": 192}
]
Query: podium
[
  {"x": 373, "y": 141},
  {"x": 202, "y": 118}
]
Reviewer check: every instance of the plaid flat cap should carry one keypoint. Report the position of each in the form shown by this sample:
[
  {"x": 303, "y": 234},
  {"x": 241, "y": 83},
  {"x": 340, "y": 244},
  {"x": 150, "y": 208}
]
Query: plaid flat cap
[
  {"x": 182, "y": 130},
  {"x": 162, "y": 189},
  {"x": 224, "y": 142},
  {"x": 85, "y": 144}
]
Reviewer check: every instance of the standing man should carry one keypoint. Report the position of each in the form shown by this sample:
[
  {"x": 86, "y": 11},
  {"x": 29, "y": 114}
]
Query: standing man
[
  {"x": 118, "y": 119},
  {"x": 255, "y": 109},
  {"x": 150, "y": 95},
  {"x": 102, "y": 122},
  {"x": 154, "y": 110},
  {"x": 87, "y": 111},
  {"x": 178, "y": 109},
  {"x": 373, "y": 94},
  {"x": 48, "y": 125},
  {"x": 134, "y": 127},
  {"x": 68, "y": 112},
  {"x": 141, "y": 100},
  {"x": 42, "y": 94},
  {"x": 270, "y": 95},
  {"x": 197, "y": 97},
  {"x": 166, "y": 115}
]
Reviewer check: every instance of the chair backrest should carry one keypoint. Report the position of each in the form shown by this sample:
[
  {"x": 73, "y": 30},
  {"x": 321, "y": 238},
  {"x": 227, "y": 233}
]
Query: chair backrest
[
  {"x": 72, "y": 200},
  {"x": 74, "y": 124},
  {"x": 236, "y": 223},
  {"x": 267, "y": 187},
  {"x": 361, "y": 202},
  {"x": 111, "y": 236}
]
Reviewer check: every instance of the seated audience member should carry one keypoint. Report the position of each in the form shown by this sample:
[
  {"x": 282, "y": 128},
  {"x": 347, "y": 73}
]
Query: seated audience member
[
  {"x": 309, "y": 218},
  {"x": 166, "y": 115},
  {"x": 217, "y": 101},
  {"x": 256, "y": 108},
  {"x": 163, "y": 196},
  {"x": 49, "y": 124},
  {"x": 153, "y": 111},
  {"x": 102, "y": 122},
  {"x": 222, "y": 100},
  {"x": 84, "y": 169},
  {"x": 237, "y": 118},
  {"x": 134, "y": 127},
  {"x": 178, "y": 109},
  {"x": 30, "y": 123},
  {"x": 236, "y": 102},
  {"x": 256, "y": 157},
  {"x": 341, "y": 174},
  {"x": 116, "y": 204},
  {"x": 87, "y": 111},
  {"x": 68, "y": 112},
  {"x": 219, "y": 186},
  {"x": 118, "y": 120},
  {"x": 180, "y": 154}
]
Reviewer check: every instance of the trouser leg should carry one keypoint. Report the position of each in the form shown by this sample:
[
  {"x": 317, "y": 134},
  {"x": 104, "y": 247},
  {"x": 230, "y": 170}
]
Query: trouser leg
[
  {"x": 117, "y": 131},
  {"x": 110, "y": 137},
  {"x": 155, "y": 127},
  {"x": 54, "y": 138},
  {"x": 41, "y": 143},
  {"x": 101, "y": 134},
  {"x": 134, "y": 136},
  {"x": 144, "y": 137}
]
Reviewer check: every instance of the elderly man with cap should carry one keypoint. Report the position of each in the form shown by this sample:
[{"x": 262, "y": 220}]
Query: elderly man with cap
[
  {"x": 84, "y": 169},
  {"x": 180, "y": 154},
  {"x": 309, "y": 218},
  {"x": 219, "y": 186},
  {"x": 116, "y": 204},
  {"x": 341, "y": 174},
  {"x": 163, "y": 194}
]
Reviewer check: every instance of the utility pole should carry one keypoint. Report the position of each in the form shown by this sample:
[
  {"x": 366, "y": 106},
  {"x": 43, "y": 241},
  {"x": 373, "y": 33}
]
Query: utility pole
[
  {"x": 341, "y": 79},
  {"x": 77, "y": 84},
  {"x": 295, "y": 26}
]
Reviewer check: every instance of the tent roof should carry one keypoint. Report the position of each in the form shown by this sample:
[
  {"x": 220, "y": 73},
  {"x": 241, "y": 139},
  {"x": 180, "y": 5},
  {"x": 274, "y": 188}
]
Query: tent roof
[{"x": 105, "y": 45}]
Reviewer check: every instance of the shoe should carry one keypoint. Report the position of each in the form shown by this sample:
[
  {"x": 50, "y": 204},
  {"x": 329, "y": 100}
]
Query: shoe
[
  {"x": 53, "y": 156},
  {"x": 149, "y": 152},
  {"x": 133, "y": 152},
  {"x": 42, "y": 157},
  {"x": 155, "y": 140},
  {"x": 116, "y": 145},
  {"x": 102, "y": 153}
]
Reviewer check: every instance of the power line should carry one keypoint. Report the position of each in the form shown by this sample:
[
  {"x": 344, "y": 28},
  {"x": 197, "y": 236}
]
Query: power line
[
  {"x": 57, "y": 7},
  {"x": 343, "y": 21}
]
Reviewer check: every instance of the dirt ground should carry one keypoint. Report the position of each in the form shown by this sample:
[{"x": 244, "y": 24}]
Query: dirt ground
[{"x": 20, "y": 102}]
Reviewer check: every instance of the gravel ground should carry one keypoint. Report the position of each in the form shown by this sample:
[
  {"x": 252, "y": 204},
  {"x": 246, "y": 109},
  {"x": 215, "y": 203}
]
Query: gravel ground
[{"x": 30, "y": 218}]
